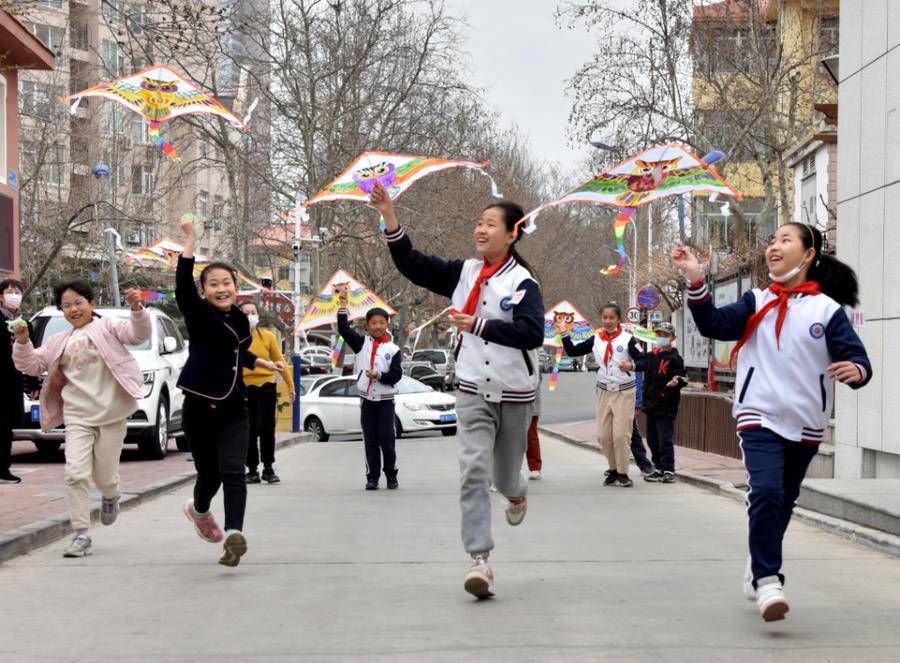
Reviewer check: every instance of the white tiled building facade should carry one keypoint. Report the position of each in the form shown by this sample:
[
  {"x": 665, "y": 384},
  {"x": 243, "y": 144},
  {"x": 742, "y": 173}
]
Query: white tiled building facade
[{"x": 867, "y": 430}]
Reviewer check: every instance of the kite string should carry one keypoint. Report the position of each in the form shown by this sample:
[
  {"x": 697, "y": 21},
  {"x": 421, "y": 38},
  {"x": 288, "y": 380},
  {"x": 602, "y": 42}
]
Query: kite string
[
  {"x": 619, "y": 227},
  {"x": 160, "y": 142}
]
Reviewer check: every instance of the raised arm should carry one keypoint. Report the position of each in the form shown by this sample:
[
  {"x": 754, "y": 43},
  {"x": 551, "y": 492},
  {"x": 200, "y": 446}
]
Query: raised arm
[
  {"x": 28, "y": 359},
  {"x": 573, "y": 350},
  {"x": 139, "y": 325},
  {"x": 350, "y": 336}
]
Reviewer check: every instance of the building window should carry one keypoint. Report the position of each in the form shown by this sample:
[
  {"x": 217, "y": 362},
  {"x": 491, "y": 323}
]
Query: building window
[
  {"x": 112, "y": 58},
  {"x": 218, "y": 212},
  {"x": 140, "y": 130},
  {"x": 142, "y": 180},
  {"x": 112, "y": 11},
  {"x": 2, "y": 128},
  {"x": 80, "y": 36},
  {"x": 829, "y": 31},
  {"x": 53, "y": 4},
  {"x": 52, "y": 166},
  {"x": 50, "y": 35},
  {"x": 38, "y": 99}
]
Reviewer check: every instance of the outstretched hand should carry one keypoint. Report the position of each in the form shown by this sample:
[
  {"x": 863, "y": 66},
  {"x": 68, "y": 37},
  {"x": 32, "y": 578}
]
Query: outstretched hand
[
  {"x": 381, "y": 200},
  {"x": 683, "y": 258},
  {"x": 133, "y": 298},
  {"x": 187, "y": 224}
]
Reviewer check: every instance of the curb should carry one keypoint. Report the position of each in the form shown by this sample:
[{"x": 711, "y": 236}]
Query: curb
[
  {"x": 873, "y": 538},
  {"x": 24, "y": 539}
]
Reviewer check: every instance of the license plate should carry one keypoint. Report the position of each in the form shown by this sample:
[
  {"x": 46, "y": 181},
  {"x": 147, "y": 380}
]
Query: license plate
[
  {"x": 36, "y": 414},
  {"x": 448, "y": 418}
]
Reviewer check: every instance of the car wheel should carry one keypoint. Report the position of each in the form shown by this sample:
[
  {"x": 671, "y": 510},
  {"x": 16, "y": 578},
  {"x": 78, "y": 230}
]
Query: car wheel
[
  {"x": 47, "y": 447},
  {"x": 181, "y": 442},
  {"x": 398, "y": 428},
  {"x": 448, "y": 432},
  {"x": 314, "y": 425},
  {"x": 154, "y": 442}
]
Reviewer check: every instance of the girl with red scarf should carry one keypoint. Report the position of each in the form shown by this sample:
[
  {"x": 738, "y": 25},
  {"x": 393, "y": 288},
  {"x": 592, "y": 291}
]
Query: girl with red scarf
[
  {"x": 498, "y": 311},
  {"x": 618, "y": 357},
  {"x": 794, "y": 342}
]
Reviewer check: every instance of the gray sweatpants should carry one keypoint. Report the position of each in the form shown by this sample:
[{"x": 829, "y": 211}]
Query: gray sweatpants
[{"x": 492, "y": 442}]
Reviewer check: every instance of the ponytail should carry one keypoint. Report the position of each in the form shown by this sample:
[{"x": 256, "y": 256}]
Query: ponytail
[
  {"x": 512, "y": 214},
  {"x": 835, "y": 278}
]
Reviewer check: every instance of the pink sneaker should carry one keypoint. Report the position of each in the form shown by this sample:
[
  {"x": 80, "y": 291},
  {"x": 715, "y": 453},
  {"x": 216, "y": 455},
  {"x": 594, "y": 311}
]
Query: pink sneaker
[{"x": 206, "y": 526}]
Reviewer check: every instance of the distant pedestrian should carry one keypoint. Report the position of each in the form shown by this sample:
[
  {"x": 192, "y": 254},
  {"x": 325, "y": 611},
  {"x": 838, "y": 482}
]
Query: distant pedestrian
[
  {"x": 618, "y": 356},
  {"x": 533, "y": 452},
  {"x": 92, "y": 386},
  {"x": 794, "y": 342},
  {"x": 262, "y": 399},
  {"x": 498, "y": 312},
  {"x": 378, "y": 370},
  {"x": 12, "y": 406},
  {"x": 215, "y": 398},
  {"x": 664, "y": 377}
]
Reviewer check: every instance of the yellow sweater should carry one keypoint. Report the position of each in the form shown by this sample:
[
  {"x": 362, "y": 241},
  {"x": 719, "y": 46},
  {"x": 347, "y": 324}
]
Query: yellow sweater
[{"x": 265, "y": 346}]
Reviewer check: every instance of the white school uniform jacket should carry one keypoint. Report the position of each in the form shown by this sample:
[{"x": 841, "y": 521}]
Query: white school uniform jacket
[
  {"x": 498, "y": 358},
  {"x": 609, "y": 376},
  {"x": 784, "y": 387},
  {"x": 387, "y": 364}
]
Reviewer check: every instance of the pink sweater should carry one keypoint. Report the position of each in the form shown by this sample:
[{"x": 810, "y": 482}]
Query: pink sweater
[{"x": 109, "y": 336}]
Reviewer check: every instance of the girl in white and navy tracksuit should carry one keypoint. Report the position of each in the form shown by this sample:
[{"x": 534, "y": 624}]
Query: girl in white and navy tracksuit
[
  {"x": 794, "y": 341},
  {"x": 383, "y": 357},
  {"x": 497, "y": 367},
  {"x": 615, "y": 390}
]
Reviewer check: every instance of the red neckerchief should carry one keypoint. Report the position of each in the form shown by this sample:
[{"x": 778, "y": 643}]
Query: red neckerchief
[
  {"x": 607, "y": 354},
  {"x": 375, "y": 343},
  {"x": 487, "y": 271},
  {"x": 782, "y": 295}
]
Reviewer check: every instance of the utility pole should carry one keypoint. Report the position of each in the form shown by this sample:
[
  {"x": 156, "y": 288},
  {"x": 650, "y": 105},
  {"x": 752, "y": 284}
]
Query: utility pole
[{"x": 101, "y": 171}]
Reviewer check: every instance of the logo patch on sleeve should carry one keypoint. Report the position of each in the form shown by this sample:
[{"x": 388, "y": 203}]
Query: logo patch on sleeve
[{"x": 817, "y": 330}]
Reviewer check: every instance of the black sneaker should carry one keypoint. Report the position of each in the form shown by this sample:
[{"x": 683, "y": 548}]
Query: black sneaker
[
  {"x": 9, "y": 477},
  {"x": 654, "y": 477},
  {"x": 372, "y": 485},
  {"x": 623, "y": 481},
  {"x": 269, "y": 476},
  {"x": 253, "y": 477},
  {"x": 668, "y": 477},
  {"x": 610, "y": 477}
]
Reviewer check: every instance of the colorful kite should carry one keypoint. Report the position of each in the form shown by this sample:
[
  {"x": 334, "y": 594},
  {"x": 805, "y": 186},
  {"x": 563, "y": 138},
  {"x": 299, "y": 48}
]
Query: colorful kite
[
  {"x": 395, "y": 172},
  {"x": 158, "y": 93},
  {"x": 322, "y": 310},
  {"x": 571, "y": 318},
  {"x": 656, "y": 173}
]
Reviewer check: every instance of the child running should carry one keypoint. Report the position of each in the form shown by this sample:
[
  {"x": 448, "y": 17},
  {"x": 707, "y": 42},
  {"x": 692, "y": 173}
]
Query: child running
[
  {"x": 215, "y": 398},
  {"x": 664, "y": 378},
  {"x": 618, "y": 356},
  {"x": 262, "y": 399},
  {"x": 794, "y": 341},
  {"x": 500, "y": 316},
  {"x": 378, "y": 370},
  {"x": 92, "y": 386}
]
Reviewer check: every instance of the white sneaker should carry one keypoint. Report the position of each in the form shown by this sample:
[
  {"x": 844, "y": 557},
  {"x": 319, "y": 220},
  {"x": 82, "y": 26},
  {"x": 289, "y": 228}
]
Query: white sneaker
[
  {"x": 771, "y": 602},
  {"x": 747, "y": 584},
  {"x": 109, "y": 510},
  {"x": 79, "y": 547},
  {"x": 480, "y": 579},
  {"x": 515, "y": 511},
  {"x": 534, "y": 475}
]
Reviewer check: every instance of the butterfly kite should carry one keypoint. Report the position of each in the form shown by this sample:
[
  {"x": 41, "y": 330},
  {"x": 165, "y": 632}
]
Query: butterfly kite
[
  {"x": 651, "y": 175},
  {"x": 322, "y": 310},
  {"x": 395, "y": 172},
  {"x": 160, "y": 94},
  {"x": 569, "y": 317}
]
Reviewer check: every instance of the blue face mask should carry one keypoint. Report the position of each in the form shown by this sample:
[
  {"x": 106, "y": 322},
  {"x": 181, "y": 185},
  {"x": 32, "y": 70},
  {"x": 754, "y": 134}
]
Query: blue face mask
[{"x": 663, "y": 341}]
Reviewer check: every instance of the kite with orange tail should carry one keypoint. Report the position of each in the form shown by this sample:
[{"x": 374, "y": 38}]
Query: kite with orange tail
[
  {"x": 662, "y": 171},
  {"x": 566, "y": 315},
  {"x": 159, "y": 93}
]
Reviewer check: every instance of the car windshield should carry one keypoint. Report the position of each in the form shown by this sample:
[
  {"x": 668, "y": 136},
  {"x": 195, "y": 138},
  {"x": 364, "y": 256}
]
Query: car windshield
[
  {"x": 47, "y": 326},
  {"x": 408, "y": 385}
]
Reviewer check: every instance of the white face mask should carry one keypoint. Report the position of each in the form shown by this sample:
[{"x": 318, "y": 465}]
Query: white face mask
[
  {"x": 13, "y": 300},
  {"x": 254, "y": 319},
  {"x": 663, "y": 342}
]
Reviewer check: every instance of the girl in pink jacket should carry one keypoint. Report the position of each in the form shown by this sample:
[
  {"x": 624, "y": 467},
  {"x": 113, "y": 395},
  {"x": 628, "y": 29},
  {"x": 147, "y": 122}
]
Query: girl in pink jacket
[{"x": 92, "y": 385}]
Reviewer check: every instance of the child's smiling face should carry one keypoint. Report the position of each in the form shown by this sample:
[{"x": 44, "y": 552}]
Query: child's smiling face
[
  {"x": 377, "y": 326},
  {"x": 219, "y": 288}
]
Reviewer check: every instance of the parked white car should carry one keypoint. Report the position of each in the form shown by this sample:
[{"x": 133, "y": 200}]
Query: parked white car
[
  {"x": 331, "y": 407},
  {"x": 160, "y": 359}
]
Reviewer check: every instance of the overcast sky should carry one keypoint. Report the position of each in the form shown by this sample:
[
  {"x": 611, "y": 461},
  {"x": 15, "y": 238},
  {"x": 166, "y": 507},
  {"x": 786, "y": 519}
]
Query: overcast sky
[{"x": 523, "y": 59}]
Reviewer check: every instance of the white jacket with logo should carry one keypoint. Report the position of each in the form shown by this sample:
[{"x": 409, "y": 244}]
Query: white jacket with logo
[
  {"x": 609, "y": 376},
  {"x": 387, "y": 364}
]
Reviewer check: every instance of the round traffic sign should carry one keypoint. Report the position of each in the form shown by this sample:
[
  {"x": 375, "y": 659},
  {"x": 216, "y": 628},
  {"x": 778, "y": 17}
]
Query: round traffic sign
[
  {"x": 648, "y": 298},
  {"x": 633, "y": 315}
]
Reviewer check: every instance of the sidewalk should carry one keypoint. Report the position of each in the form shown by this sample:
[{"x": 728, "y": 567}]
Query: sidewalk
[
  {"x": 336, "y": 573},
  {"x": 35, "y": 512},
  {"x": 867, "y": 510}
]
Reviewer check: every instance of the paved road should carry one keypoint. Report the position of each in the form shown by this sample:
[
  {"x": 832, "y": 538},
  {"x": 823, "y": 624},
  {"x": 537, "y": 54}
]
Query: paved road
[
  {"x": 572, "y": 400},
  {"x": 338, "y": 574}
]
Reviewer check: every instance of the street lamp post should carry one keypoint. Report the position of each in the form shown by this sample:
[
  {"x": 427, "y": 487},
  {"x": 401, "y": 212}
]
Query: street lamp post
[
  {"x": 299, "y": 310},
  {"x": 101, "y": 171}
]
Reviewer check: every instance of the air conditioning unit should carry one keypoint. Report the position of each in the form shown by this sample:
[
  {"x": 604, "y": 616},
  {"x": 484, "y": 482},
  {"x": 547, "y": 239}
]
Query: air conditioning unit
[{"x": 80, "y": 169}]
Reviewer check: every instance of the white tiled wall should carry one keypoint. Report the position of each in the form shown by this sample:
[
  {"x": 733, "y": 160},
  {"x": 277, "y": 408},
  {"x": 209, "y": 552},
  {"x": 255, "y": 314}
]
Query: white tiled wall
[{"x": 868, "y": 235}]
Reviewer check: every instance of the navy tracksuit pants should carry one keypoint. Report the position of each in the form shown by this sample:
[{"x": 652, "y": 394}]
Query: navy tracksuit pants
[
  {"x": 776, "y": 466},
  {"x": 377, "y": 419}
]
